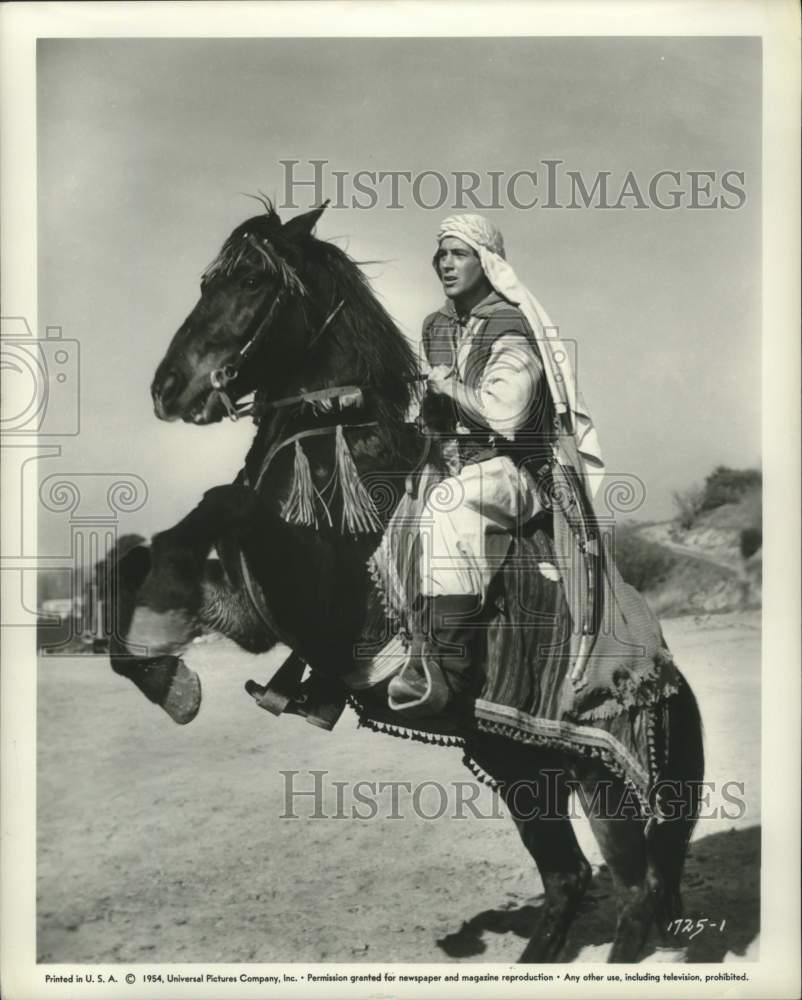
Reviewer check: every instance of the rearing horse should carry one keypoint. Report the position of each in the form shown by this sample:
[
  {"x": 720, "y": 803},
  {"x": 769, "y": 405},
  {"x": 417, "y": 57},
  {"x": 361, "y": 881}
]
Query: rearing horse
[{"x": 292, "y": 319}]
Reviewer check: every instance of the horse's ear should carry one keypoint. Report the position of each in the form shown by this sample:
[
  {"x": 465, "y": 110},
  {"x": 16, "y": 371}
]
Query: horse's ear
[{"x": 302, "y": 225}]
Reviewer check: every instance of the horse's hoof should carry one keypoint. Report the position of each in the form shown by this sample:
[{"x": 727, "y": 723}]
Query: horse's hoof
[
  {"x": 666, "y": 953},
  {"x": 183, "y": 698}
]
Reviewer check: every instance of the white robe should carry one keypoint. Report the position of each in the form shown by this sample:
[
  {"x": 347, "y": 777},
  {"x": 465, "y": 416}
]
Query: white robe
[{"x": 466, "y": 523}]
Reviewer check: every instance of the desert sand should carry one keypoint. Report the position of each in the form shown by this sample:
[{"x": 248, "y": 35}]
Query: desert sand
[{"x": 158, "y": 843}]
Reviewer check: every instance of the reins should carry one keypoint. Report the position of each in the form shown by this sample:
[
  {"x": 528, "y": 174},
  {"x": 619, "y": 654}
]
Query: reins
[
  {"x": 359, "y": 514},
  {"x": 220, "y": 378}
]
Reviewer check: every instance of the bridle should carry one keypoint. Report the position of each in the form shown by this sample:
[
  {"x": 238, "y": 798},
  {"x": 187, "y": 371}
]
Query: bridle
[{"x": 261, "y": 324}]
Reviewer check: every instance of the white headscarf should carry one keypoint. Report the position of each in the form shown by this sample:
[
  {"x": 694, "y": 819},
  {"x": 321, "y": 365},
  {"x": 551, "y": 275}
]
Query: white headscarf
[{"x": 486, "y": 240}]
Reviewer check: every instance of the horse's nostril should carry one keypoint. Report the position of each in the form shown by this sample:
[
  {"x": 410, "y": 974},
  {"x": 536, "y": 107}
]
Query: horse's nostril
[
  {"x": 166, "y": 388},
  {"x": 169, "y": 386}
]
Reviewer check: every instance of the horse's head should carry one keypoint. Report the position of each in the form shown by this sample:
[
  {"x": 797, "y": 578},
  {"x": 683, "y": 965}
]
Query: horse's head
[{"x": 245, "y": 331}]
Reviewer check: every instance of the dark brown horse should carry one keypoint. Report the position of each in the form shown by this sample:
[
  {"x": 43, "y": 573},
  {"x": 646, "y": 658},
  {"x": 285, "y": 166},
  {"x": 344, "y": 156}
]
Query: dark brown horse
[{"x": 285, "y": 315}]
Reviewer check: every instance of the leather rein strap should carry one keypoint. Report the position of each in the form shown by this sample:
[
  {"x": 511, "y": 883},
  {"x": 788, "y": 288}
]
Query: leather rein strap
[
  {"x": 261, "y": 324},
  {"x": 298, "y": 436}
]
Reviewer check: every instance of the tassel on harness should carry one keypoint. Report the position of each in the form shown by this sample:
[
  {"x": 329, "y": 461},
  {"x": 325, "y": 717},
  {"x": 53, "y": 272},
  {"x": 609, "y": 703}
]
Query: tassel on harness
[
  {"x": 359, "y": 515},
  {"x": 299, "y": 507}
]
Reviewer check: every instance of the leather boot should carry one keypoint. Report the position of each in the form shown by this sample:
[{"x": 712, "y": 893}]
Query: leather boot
[
  {"x": 438, "y": 671},
  {"x": 320, "y": 700}
]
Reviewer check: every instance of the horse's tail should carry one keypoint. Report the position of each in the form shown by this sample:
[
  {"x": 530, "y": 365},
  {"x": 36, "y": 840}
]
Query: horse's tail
[{"x": 667, "y": 841}]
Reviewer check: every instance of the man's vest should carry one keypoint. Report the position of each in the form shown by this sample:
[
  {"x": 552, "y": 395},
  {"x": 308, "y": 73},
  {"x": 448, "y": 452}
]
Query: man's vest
[{"x": 489, "y": 320}]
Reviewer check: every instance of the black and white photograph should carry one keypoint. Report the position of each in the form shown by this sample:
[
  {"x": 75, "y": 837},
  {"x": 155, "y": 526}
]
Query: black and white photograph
[{"x": 393, "y": 415}]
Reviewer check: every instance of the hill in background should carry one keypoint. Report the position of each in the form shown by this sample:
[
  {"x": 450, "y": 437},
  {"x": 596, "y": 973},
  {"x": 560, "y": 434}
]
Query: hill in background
[
  {"x": 709, "y": 557},
  {"x": 706, "y": 559}
]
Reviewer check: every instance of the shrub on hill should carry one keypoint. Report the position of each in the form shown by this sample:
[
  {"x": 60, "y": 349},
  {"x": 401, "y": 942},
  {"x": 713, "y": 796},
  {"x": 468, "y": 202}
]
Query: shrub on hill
[
  {"x": 689, "y": 505},
  {"x": 642, "y": 563},
  {"x": 751, "y": 541},
  {"x": 725, "y": 485}
]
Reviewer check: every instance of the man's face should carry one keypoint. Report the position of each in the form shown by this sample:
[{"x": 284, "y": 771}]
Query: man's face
[{"x": 459, "y": 268}]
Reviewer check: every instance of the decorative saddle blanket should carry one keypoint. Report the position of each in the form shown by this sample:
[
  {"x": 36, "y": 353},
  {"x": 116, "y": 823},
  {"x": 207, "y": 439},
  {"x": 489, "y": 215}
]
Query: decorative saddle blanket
[{"x": 527, "y": 693}]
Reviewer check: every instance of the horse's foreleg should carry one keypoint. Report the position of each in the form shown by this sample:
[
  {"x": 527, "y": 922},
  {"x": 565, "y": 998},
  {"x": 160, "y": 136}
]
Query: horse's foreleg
[
  {"x": 162, "y": 589},
  {"x": 179, "y": 554},
  {"x": 157, "y": 613},
  {"x": 163, "y": 679}
]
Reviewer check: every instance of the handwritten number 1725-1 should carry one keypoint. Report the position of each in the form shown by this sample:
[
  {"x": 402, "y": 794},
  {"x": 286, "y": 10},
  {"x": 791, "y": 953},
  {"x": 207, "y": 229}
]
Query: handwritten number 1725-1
[{"x": 693, "y": 927}]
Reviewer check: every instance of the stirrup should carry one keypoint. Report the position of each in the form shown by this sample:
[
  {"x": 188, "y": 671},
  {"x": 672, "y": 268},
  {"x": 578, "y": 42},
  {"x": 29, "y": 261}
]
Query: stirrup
[
  {"x": 435, "y": 696},
  {"x": 323, "y": 714},
  {"x": 286, "y": 693}
]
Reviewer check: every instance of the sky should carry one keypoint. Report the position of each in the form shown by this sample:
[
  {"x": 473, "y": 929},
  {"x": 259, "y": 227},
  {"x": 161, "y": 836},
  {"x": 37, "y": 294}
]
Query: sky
[{"x": 146, "y": 148}]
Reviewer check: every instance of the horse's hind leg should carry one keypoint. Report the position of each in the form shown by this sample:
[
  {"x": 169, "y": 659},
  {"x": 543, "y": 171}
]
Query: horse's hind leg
[
  {"x": 534, "y": 789},
  {"x": 620, "y": 832},
  {"x": 667, "y": 843},
  {"x": 566, "y": 875}
]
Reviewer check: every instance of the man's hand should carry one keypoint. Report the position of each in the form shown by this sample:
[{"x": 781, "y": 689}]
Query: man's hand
[
  {"x": 441, "y": 381},
  {"x": 437, "y": 411}
]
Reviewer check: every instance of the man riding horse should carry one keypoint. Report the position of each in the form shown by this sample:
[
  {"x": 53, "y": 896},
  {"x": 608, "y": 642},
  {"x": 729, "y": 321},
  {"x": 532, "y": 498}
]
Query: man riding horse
[
  {"x": 505, "y": 380},
  {"x": 502, "y": 405},
  {"x": 574, "y": 676}
]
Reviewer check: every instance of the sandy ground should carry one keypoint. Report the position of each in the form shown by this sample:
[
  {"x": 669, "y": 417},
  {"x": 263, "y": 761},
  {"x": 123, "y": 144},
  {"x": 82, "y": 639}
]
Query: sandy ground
[{"x": 165, "y": 844}]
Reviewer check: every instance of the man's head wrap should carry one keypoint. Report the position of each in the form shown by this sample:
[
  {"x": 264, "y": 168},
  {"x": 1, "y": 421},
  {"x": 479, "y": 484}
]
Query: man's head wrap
[
  {"x": 475, "y": 230},
  {"x": 486, "y": 240}
]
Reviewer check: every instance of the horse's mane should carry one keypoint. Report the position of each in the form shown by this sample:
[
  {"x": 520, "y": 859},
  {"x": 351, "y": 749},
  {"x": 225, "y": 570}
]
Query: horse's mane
[
  {"x": 254, "y": 242},
  {"x": 386, "y": 362}
]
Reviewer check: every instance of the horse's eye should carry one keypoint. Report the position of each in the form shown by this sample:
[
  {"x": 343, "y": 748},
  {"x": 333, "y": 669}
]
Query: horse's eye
[{"x": 250, "y": 283}]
